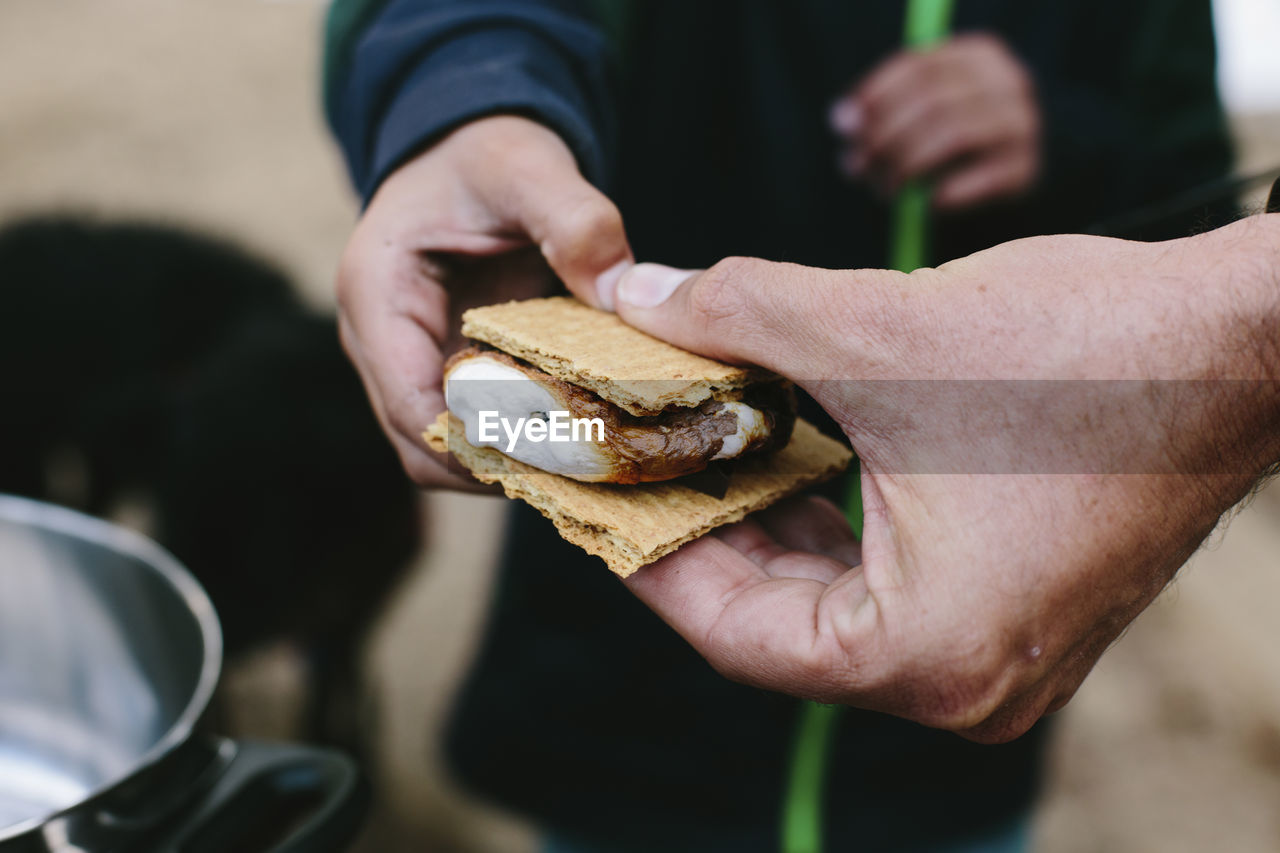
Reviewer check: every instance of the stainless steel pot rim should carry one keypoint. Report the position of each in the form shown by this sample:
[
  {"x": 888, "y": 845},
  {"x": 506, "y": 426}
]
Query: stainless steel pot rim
[{"x": 69, "y": 522}]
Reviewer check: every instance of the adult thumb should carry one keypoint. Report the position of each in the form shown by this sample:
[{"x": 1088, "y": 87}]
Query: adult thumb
[
  {"x": 801, "y": 322},
  {"x": 579, "y": 231}
]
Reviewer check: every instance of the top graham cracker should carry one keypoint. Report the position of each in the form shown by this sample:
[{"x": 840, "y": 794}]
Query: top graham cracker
[{"x": 597, "y": 351}]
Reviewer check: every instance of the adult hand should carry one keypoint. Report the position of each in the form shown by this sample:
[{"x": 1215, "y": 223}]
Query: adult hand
[
  {"x": 963, "y": 114},
  {"x": 1048, "y": 429},
  {"x": 485, "y": 215}
]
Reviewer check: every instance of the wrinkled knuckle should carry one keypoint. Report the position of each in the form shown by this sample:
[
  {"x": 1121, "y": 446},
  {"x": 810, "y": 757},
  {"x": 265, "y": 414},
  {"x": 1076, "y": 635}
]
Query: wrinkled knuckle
[
  {"x": 347, "y": 276},
  {"x": 805, "y": 680},
  {"x": 604, "y": 218},
  {"x": 729, "y": 669},
  {"x": 965, "y": 691},
  {"x": 582, "y": 232},
  {"x": 962, "y": 704},
  {"x": 828, "y": 679},
  {"x": 595, "y": 217},
  {"x": 720, "y": 293},
  {"x": 730, "y": 666},
  {"x": 358, "y": 273},
  {"x": 1012, "y": 722}
]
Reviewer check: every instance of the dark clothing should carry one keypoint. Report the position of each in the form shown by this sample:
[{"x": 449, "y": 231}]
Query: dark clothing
[
  {"x": 723, "y": 146},
  {"x": 422, "y": 67},
  {"x": 588, "y": 713},
  {"x": 583, "y": 710}
]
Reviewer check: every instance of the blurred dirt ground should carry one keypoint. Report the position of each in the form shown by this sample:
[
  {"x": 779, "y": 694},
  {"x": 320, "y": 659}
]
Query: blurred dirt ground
[{"x": 207, "y": 114}]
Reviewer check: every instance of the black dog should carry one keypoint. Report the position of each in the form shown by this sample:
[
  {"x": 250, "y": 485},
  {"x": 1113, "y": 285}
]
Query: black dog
[{"x": 178, "y": 368}]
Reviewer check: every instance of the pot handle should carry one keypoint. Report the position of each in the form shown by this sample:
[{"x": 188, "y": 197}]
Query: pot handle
[{"x": 276, "y": 798}]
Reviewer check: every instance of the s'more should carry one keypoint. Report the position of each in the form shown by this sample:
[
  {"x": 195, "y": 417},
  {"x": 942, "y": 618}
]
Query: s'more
[{"x": 609, "y": 432}]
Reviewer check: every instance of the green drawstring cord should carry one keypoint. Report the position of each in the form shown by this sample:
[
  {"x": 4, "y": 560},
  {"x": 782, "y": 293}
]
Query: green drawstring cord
[
  {"x": 802, "y": 812},
  {"x": 927, "y": 23}
]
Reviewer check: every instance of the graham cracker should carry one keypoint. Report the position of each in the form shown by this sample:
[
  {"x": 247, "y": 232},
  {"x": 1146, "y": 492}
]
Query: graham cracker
[
  {"x": 596, "y": 350},
  {"x": 629, "y": 526}
]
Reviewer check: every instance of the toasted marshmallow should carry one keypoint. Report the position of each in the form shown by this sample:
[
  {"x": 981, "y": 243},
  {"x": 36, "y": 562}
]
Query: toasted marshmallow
[
  {"x": 484, "y": 388},
  {"x": 484, "y": 384},
  {"x": 752, "y": 427}
]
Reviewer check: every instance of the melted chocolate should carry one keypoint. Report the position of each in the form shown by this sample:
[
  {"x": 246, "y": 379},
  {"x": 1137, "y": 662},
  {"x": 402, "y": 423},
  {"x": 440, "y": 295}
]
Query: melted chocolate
[{"x": 673, "y": 443}]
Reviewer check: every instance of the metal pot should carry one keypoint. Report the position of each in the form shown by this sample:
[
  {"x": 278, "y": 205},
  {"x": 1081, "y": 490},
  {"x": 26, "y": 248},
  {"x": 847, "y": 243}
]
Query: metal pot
[{"x": 109, "y": 654}]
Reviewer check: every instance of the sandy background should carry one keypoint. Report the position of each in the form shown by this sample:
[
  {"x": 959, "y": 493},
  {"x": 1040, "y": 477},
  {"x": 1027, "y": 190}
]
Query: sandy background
[{"x": 207, "y": 114}]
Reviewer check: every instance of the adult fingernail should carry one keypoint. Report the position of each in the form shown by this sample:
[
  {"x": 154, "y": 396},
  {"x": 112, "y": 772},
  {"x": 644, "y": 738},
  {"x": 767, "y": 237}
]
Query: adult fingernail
[
  {"x": 845, "y": 117},
  {"x": 647, "y": 285},
  {"x": 607, "y": 282}
]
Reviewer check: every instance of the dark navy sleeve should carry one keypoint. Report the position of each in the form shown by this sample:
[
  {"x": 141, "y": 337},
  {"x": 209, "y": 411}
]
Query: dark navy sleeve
[{"x": 419, "y": 68}]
